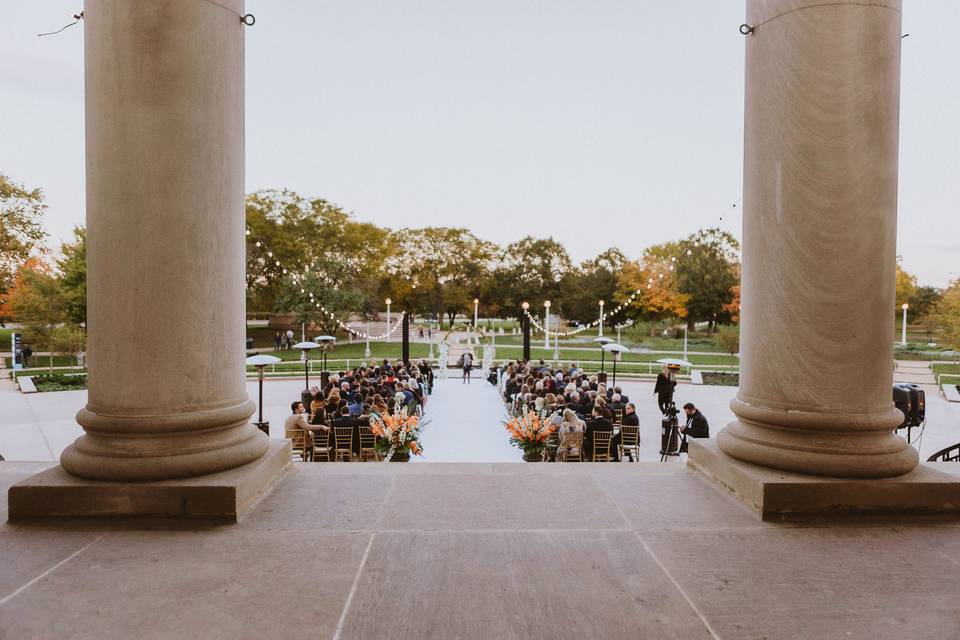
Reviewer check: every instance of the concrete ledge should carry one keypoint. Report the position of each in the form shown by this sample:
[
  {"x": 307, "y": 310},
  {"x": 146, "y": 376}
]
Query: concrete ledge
[
  {"x": 218, "y": 497},
  {"x": 780, "y": 495}
]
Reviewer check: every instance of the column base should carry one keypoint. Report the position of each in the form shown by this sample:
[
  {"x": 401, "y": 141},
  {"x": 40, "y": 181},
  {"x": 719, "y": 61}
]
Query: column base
[
  {"x": 780, "y": 495},
  {"x": 219, "y": 497},
  {"x": 817, "y": 451}
]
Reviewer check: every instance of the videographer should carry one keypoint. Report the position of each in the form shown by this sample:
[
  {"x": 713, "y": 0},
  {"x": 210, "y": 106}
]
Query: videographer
[{"x": 696, "y": 426}]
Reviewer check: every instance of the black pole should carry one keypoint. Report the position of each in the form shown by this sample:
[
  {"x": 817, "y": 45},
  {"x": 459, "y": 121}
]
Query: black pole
[
  {"x": 603, "y": 357},
  {"x": 306, "y": 370},
  {"x": 260, "y": 403},
  {"x": 614, "y": 369},
  {"x": 405, "y": 351},
  {"x": 526, "y": 338}
]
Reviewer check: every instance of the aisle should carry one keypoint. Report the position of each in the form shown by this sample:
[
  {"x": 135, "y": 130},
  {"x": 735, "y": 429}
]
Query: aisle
[{"x": 466, "y": 424}]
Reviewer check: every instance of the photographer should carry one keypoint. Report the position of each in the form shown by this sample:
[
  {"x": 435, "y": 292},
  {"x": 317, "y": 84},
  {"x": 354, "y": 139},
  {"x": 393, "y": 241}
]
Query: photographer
[{"x": 696, "y": 426}]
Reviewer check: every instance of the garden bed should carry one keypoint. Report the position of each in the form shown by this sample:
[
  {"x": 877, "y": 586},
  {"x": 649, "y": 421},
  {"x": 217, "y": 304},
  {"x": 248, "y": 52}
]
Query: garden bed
[
  {"x": 60, "y": 382},
  {"x": 721, "y": 379}
]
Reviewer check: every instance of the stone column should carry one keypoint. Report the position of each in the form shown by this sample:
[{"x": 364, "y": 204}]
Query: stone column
[
  {"x": 165, "y": 226},
  {"x": 819, "y": 241}
]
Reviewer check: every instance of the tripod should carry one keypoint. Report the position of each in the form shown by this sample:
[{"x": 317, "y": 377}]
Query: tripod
[{"x": 670, "y": 438}]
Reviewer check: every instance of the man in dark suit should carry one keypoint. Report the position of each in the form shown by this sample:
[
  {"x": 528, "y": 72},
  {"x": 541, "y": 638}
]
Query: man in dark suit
[
  {"x": 598, "y": 423},
  {"x": 574, "y": 404},
  {"x": 345, "y": 420},
  {"x": 666, "y": 382},
  {"x": 630, "y": 419},
  {"x": 696, "y": 426}
]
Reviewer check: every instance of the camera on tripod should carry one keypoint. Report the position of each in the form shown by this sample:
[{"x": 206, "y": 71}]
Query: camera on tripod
[
  {"x": 670, "y": 432},
  {"x": 911, "y": 400}
]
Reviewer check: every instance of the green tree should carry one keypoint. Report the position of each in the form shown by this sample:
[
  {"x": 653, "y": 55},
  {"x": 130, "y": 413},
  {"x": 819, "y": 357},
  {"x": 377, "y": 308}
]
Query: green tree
[
  {"x": 728, "y": 339},
  {"x": 594, "y": 280},
  {"x": 72, "y": 268},
  {"x": 21, "y": 232},
  {"x": 923, "y": 301},
  {"x": 948, "y": 316},
  {"x": 532, "y": 270},
  {"x": 438, "y": 270},
  {"x": 706, "y": 273},
  {"x": 906, "y": 286}
]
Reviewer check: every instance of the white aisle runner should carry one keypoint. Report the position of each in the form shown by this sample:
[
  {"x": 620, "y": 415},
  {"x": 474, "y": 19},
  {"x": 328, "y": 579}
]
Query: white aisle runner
[{"x": 466, "y": 424}]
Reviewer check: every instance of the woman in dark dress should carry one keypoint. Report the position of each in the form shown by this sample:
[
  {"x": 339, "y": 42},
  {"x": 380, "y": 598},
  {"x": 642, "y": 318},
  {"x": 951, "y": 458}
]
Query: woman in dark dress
[{"x": 664, "y": 388}]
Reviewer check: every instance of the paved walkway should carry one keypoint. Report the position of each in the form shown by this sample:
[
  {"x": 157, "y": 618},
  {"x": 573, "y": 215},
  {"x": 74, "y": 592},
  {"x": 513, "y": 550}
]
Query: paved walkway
[{"x": 466, "y": 424}]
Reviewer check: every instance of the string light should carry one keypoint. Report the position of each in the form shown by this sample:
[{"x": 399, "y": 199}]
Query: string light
[{"x": 559, "y": 334}]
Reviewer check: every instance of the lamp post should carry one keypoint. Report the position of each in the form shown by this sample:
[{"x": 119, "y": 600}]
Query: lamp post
[
  {"x": 546, "y": 325},
  {"x": 903, "y": 329},
  {"x": 476, "y": 307},
  {"x": 526, "y": 331},
  {"x": 600, "y": 330},
  {"x": 685, "y": 327},
  {"x": 366, "y": 349},
  {"x": 260, "y": 361},
  {"x": 388, "y": 301}
]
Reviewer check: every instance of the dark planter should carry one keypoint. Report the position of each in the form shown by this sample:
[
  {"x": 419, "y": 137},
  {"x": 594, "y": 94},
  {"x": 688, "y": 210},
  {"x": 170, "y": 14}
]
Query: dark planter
[
  {"x": 533, "y": 455},
  {"x": 400, "y": 457}
]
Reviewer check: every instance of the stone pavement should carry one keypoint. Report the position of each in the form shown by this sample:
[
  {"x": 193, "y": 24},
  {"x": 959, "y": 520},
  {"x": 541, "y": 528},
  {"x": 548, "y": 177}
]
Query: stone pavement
[{"x": 481, "y": 551}]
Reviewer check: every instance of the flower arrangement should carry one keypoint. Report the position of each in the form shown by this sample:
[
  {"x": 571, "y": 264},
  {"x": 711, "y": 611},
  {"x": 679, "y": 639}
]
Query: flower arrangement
[
  {"x": 529, "y": 432},
  {"x": 398, "y": 435}
]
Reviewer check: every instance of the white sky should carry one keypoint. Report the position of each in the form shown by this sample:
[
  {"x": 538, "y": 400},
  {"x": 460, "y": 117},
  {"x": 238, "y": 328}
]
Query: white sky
[{"x": 598, "y": 122}]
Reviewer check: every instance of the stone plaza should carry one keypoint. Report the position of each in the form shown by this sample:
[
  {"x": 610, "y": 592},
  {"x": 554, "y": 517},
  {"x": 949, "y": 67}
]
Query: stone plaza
[{"x": 170, "y": 514}]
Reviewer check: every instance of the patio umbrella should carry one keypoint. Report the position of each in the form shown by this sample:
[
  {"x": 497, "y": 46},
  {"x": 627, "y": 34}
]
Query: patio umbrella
[
  {"x": 306, "y": 346},
  {"x": 260, "y": 361},
  {"x": 601, "y": 342},
  {"x": 615, "y": 349}
]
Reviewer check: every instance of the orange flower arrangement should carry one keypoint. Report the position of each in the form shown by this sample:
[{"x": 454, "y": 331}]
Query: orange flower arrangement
[
  {"x": 397, "y": 433},
  {"x": 529, "y": 431}
]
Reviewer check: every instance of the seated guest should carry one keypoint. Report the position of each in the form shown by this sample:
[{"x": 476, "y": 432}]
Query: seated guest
[
  {"x": 343, "y": 419},
  {"x": 630, "y": 419},
  {"x": 570, "y": 422},
  {"x": 616, "y": 403},
  {"x": 623, "y": 398},
  {"x": 296, "y": 420},
  {"x": 355, "y": 407},
  {"x": 318, "y": 411},
  {"x": 598, "y": 423},
  {"x": 574, "y": 403}
]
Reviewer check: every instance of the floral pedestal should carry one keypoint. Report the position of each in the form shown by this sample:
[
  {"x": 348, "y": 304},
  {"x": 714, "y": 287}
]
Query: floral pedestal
[{"x": 400, "y": 457}]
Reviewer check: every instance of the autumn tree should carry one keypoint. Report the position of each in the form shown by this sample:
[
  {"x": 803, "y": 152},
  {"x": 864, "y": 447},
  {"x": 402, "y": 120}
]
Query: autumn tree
[
  {"x": 654, "y": 277},
  {"x": 21, "y": 232},
  {"x": 36, "y": 301}
]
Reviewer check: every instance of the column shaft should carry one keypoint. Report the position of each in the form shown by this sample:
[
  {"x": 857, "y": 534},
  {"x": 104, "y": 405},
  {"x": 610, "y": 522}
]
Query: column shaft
[
  {"x": 165, "y": 260},
  {"x": 819, "y": 240}
]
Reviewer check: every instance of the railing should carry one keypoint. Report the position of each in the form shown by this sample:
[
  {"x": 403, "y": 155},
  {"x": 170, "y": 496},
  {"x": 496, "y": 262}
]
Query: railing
[
  {"x": 951, "y": 378},
  {"x": 950, "y": 454}
]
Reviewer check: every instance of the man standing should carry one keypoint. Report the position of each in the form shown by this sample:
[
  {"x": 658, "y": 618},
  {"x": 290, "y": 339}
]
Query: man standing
[{"x": 467, "y": 366}]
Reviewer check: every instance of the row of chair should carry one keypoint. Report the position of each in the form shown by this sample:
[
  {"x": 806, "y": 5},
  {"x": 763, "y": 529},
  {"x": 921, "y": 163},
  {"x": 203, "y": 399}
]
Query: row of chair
[
  {"x": 313, "y": 445},
  {"x": 570, "y": 445}
]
